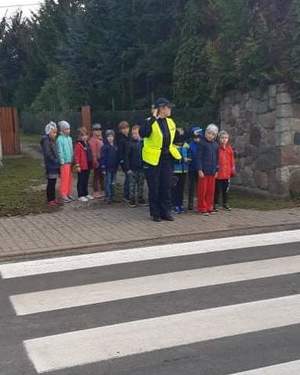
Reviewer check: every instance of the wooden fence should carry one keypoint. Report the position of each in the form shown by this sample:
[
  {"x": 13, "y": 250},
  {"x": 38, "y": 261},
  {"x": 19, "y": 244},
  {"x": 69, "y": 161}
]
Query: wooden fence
[
  {"x": 86, "y": 117},
  {"x": 9, "y": 129}
]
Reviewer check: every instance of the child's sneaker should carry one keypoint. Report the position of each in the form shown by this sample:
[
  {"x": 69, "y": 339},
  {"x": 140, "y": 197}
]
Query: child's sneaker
[
  {"x": 52, "y": 204},
  {"x": 131, "y": 203},
  {"x": 71, "y": 198},
  {"x": 90, "y": 197},
  {"x": 83, "y": 199},
  {"x": 66, "y": 199},
  {"x": 142, "y": 202},
  {"x": 226, "y": 207}
]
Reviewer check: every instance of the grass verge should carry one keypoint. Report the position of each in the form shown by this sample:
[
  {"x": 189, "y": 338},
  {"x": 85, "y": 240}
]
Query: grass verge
[
  {"x": 18, "y": 179},
  {"x": 238, "y": 199}
]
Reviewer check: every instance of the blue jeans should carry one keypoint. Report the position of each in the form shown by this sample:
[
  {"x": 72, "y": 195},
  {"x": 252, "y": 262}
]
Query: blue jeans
[{"x": 110, "y": 180}]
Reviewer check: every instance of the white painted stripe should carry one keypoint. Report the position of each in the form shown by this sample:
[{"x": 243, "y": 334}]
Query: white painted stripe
[
  {"x": 120, "y": 340},
  {"x": 288, "y": 368},
  {"x": 76, "y": 262},
  {"x": 55, "y": 299}
]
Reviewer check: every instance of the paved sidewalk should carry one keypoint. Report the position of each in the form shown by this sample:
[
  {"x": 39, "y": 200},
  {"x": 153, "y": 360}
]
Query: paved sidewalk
[{"x": 104, "y": 227}]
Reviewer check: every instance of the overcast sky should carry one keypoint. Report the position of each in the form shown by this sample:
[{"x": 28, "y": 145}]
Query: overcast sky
[{"x": 11, "y": 6}]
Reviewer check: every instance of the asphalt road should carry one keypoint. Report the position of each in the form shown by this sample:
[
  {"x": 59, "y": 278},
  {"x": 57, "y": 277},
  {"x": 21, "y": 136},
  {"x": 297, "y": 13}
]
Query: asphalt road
[{"x": 214, "y": 307}]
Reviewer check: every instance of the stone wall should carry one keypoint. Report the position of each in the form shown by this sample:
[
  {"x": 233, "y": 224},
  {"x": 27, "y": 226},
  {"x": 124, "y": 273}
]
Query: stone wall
[{"x": 264, "y": 126}]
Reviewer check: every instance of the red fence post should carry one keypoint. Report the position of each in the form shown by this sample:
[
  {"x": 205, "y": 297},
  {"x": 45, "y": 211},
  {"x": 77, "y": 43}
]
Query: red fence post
[{"x": 9, "y": 128}]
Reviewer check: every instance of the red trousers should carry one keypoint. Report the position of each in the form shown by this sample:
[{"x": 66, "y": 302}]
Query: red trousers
[
  {"x": 66, "y": 180},
  {"x": 206, "y": 193}
]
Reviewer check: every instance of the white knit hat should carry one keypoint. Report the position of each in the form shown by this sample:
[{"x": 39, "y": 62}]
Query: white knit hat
[
  {"x": 50, "y": 127},
  {"x": 212, "y": 128}
]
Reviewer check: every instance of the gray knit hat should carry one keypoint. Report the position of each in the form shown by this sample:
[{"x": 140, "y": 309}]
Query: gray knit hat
[
  {"x": 212, "y": 128},
  {"x": 63, "y": 125},
  {"x": 109, "y": 132}
]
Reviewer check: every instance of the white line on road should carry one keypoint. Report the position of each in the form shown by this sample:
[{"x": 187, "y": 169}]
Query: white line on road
[
  {"x": 76, "y": 262},
  {"x": 288, "y": 368},
  {"x": 55, "y": 299},
  {"x": 120, "y": 340}
]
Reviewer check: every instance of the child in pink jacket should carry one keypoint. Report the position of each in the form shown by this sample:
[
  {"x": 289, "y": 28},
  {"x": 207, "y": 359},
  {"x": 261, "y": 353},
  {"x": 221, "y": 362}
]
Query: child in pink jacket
[{"x": 96, "y": 144}]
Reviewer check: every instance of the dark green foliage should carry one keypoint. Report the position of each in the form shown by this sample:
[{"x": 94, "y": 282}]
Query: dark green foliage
[{"x": 119, "y": 55}]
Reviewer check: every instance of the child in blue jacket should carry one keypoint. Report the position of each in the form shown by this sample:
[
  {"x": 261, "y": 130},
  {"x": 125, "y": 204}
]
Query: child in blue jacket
[
  {"x": 197, "y": 135},
  {"x": 180, "y": 171},
  {"x": 51, "y": 162},
  {"x": 109, "y": 164},
  {"x": 207, "y": 170}
]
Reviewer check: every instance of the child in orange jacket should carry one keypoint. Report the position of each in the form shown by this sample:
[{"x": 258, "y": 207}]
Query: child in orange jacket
[{"x": 226, "y": 169}]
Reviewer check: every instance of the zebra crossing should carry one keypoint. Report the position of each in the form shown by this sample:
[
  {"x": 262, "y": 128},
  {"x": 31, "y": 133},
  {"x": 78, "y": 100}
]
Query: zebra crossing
[{"x": 228, "y": 306}]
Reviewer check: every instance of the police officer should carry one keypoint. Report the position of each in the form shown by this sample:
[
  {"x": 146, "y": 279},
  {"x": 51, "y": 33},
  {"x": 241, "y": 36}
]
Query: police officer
[{"x": 158, "y": 155}]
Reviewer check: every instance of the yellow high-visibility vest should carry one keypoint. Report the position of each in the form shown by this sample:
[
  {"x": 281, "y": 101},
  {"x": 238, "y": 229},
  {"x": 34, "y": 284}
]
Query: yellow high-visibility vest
[{"x": 153, "y": 144}]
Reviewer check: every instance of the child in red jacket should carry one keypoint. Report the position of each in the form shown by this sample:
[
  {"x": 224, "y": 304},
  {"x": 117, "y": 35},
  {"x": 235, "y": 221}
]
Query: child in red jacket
[
  {"x": 83, "y": 161},
  {"x": 226, "y": 169}
]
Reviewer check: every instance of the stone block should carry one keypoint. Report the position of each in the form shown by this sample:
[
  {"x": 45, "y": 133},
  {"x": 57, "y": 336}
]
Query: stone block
[
  {"x": 283, "y": 138},
  {"x": 283, "y": 98},
  {"x": 265, "y": 96},
  {"x": 227, "y": 100},
  {"x": 296, "y": 110},
  {"x": 246, "y": 96},
  {"x": 272, "y": 103},
  {"x": 227, "y": 115},
  {"x": 256, "y": 94},
  {"x": 284, "y": 110},
  {"x": 283, "y": 124},
  {"x": 237, "y": 180},
  {"x": 283, "y": 174},
  {"x": 276, "y": 186},
  {"x": 250, "y": 150},
  {"x": 255, "y": 136},
  {"x": 294, "y": 183},
  {"x": 238, "y": 97},
  {"x": 263, "y": 106},
  {"x": 261, "y": 180},
  {"x": 290, "y": 155},
  {"x": 235, "y": 110},
  {"x": 282, "y": 88},
  {"x": 267, "y": 120},
  {"x": 295, "y": 124},
  {"x": 251, "y": 105},
  {"x": 251, "y": 117},
  {"x": 268, "y": 159},
  {"x": 272, "y": 91}
]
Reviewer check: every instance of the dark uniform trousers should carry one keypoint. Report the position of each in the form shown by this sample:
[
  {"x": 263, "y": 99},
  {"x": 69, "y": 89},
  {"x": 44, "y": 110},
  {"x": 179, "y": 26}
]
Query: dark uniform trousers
[{"x": 159, "y": 180}]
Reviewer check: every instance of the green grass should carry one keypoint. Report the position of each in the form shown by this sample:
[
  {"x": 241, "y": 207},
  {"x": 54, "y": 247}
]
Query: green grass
[
  {"x": 17, "y": 178},
  {"x": 30, "y": 138},
  {"x": 251, "y": 201}
]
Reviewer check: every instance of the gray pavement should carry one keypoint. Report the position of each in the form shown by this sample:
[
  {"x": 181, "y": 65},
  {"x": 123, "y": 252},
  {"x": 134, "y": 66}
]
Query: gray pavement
[
  {"x": 104, "y": 227},
  {"x": 256, "y": 343}
]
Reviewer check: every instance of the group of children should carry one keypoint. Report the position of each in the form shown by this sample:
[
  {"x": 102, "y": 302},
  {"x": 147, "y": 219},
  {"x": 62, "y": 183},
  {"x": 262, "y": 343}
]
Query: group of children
[
  {"x": 207, "y": 162},
  {"x": 101, "y": 155}
]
